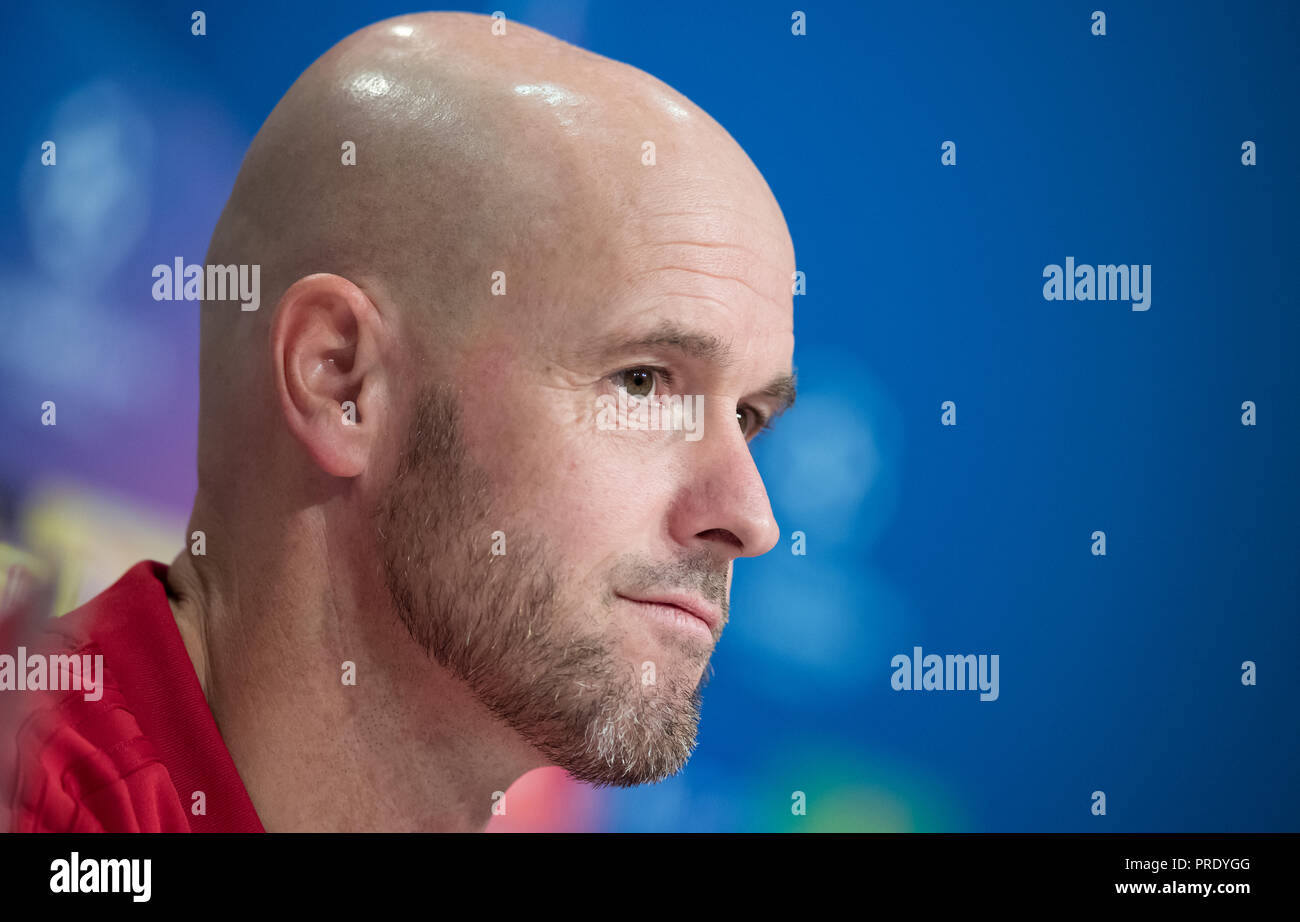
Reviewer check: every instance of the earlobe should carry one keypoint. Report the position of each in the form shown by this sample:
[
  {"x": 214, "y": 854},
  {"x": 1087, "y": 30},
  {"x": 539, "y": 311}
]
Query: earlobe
[{"x": 328, "y": 373}]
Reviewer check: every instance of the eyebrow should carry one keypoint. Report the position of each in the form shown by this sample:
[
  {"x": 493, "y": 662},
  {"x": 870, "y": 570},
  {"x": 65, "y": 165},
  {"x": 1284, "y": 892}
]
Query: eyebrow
[
  {"x": 782, "y": 390},
  {"x": 705, "y": 347}
]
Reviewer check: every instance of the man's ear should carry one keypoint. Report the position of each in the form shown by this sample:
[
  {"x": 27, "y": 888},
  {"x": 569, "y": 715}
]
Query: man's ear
[{"x": 329, "y": 371}]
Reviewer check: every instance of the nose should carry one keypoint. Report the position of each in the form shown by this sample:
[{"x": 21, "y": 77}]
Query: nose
[{"x": 723, "y": 503}]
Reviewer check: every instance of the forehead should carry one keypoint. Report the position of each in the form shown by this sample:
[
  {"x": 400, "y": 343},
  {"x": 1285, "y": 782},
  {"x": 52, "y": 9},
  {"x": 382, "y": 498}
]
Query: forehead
[
  {"x": 607, "y": 245},
  {"x": 721, "y": 240},
  {"x": 718, "y": 265}
]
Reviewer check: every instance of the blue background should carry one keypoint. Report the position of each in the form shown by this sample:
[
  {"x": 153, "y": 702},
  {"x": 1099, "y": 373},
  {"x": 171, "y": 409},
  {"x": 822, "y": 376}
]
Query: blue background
[{"x": 924, "y": 284}]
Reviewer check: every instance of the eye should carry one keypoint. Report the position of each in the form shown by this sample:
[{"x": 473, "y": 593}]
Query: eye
[
  {"x": 751, "y": 421},
  {"x": 639, "y": 382}
]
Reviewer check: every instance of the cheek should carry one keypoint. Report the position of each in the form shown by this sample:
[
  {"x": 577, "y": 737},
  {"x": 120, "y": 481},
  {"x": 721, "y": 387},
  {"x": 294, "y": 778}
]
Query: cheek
[
  {"x": 606, "y": 495},
  {"x": 494, "y": 413},
  {"x": 591, "y": 493}
]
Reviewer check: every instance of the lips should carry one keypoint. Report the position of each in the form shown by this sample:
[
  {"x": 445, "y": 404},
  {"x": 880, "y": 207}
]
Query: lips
[{"x": 691, "y": 605}]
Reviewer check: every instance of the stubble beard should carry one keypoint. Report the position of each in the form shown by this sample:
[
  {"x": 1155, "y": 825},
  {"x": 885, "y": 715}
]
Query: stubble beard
[{"x": 502, "y": 624}]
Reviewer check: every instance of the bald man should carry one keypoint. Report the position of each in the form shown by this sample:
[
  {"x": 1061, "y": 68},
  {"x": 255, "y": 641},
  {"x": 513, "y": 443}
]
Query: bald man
[{"x": 471, "y": 481}]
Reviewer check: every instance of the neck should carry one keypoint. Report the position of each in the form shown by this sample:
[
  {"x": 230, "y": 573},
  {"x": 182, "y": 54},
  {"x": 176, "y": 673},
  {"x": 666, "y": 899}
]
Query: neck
[{"x": 408, "y": 747}]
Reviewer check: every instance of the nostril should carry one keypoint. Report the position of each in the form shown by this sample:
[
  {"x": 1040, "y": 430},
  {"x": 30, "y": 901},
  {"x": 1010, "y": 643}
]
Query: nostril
[{"x": 721, "y": 534}]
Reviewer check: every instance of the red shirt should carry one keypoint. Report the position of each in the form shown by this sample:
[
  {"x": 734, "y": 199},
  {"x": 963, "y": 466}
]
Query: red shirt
[{"x": 133, "y": 760}]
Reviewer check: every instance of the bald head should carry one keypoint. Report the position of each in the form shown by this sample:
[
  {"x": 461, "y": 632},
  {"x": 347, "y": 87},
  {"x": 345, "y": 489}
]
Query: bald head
[
  {"x": 475, "y": 152},
  {"x": 472, "y": 245}
]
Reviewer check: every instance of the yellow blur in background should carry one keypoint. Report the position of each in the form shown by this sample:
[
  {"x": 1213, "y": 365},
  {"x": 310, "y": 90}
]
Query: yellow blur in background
[{"x": 73, "y": 542}]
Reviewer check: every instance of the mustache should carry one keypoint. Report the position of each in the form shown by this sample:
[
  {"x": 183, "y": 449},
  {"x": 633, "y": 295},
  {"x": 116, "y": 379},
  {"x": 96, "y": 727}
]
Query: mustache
[{"x": 698, "y": 573}]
